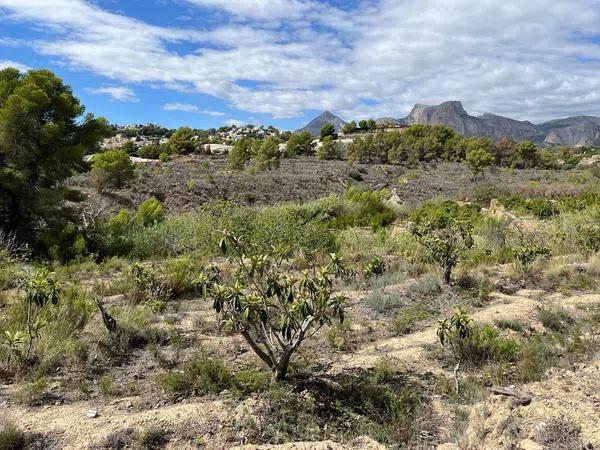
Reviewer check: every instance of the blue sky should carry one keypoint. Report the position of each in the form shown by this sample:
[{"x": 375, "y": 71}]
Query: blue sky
[{"x": 206, "y": 63}]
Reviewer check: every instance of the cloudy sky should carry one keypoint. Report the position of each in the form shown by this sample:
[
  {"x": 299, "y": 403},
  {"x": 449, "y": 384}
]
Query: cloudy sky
[{"x": 206, "y": 63}]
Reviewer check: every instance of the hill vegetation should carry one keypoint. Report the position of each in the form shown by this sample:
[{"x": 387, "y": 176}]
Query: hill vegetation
[{"x": 375, "y": 293}]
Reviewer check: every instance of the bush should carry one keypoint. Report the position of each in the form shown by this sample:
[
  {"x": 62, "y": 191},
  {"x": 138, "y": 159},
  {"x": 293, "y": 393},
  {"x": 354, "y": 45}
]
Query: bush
[
  {"x": 408, "y": 319},
  {"x": 268, "y": 154},
  {"x": 150, "y": 151},
  {"x": 300, "y": 144},
  {"x": 363, "y": 208},
  {"x": 149, "y": 212},
  {"x": 11, "y": 438},
  {"x": 557, "y": 320},
  {"x": 111, "y": 169},
  {"x": 329, "y": 149},
  {"x": 202, "y": 376}
]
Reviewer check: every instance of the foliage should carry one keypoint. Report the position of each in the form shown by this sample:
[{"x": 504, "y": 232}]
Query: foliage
[
  {"x": 300, "y": 144},
  {"x": 363, "y": 208},
  {"x": 408, "y": 318},
  {"x": 328, "y": 130},
  {"x": 444, "y": 245},
  {"x": 64, "y": 242},
  {"x": 111, "y": 169},
  {"x": 525, "y": 155},
  {"x": 478, "y": 160},
  {"x": 329, "y": 149},
  {"x": 268, "y": 154},
  {"x": 43, "y": 137},
  {"x": 182, "y": 141},
  {"x": 201, "y": 376},
  {"x": 150, "y": 151},
  {"x": 11, "y": 438},
  {"x": 374, "y": 268},
  {"x": 474, "y": 344},
  {"x": 240, "y": 154},
  {"x": 349, "y": 128},
  {"x": 149, "y": 212},
  {"x": 273, "y": 310}
]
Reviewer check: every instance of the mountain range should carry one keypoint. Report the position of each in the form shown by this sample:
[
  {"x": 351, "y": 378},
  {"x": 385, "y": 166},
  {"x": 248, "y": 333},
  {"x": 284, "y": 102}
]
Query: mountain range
[{"x": 571, "y": 131}]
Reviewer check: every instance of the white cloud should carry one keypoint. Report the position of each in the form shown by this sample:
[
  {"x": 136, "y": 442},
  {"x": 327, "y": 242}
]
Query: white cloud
[
  {"x": 116, "y": 93},
  {"x": 186, "y": 107},
  {"x": 237, "y": 123},
  {"x": 282, "y": 57},
  {"x": 6, "y": 63}
]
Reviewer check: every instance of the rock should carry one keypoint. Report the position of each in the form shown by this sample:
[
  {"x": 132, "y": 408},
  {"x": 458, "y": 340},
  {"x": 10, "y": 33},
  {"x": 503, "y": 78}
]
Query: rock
[
  {"x": 92, "y": 413},
  {"x": 528, "y": 444}
]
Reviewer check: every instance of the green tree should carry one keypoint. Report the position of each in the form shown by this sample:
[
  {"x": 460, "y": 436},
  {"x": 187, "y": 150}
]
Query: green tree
[
  {"x": 268, "y": 154},
  {"x": 362, "y": 149},
  {"x": 151, "y": 151},
  {"x": 363, "y": 125},
  {"x": 240, "y": 154},
  {"x": 329, "y": 149},
  {"x": 328, "y": 130},
  {"x": 478, "y": 160},
  {"x": 272, "y": 309},
  {"x": 149, "y": 212},
  {"x": 349, "y": 128},
  {"x": 129, "y": 147},
  {"x": 371, "y": 125},
  {"x": 111, "y": 169},
  {"x": 43, "y": 137},
  {"x": 182, "y": 142},
  {"x": 300, "y": 144},
  {"x": 525, "y": 155}
]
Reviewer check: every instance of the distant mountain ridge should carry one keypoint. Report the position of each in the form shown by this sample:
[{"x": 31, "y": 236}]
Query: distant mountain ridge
[
  {"x": 315, "y": 125},
  {"x": 571, "y": 131}
]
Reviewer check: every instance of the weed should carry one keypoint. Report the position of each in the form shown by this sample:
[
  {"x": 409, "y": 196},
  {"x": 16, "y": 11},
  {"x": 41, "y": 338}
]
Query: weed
[
  {"x": 11, "y": 438},
  {"x": 557, "y": 320},
  {"x": 408, "y": 319},
  {"x": 509, "y": 324}
]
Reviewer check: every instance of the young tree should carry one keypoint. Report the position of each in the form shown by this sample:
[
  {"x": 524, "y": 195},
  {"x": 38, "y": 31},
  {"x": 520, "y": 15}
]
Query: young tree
[
  {"x": 328, "y": 130},
  {"x": 268, "y": 154},
  {"x": 43, "y": 137},
  {"x": 363, "y": 125},
  {"x": 444, "y": 242},
  {"x": 240, "y": 154},
  {"x": 478, "y": 160},
  {"x": 329, "y": 149},
  {"x": 371, "y": 125},
  {"x": 300, "y": 144},
  {"x": 182, "y": 142},
  {"x": 274, "y": 310},
  {"x": 111, "y": 169},
  {"x": 362, "y": 149},
  {"x": 525, "y": 155},
  {"x": 349, "y": 128}
]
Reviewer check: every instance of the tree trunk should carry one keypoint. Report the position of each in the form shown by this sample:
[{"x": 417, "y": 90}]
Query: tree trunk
[
  {"x": 280, "y": 371},
  {"x": 447, "y": 275}
]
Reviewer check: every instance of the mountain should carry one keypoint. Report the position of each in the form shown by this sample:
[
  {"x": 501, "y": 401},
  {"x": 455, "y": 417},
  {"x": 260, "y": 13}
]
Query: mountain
[
  {"x": 387, "y": 121},
  {"x": 574, "y": 131},
  {"x": 315, "y": 125}
]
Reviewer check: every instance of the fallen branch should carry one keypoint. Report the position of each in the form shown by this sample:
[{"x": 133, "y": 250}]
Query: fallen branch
[{"x": 109, "y": 321}]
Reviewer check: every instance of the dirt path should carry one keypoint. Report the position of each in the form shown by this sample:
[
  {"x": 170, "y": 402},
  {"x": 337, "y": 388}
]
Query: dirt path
[{"x": 411, "y": 349}]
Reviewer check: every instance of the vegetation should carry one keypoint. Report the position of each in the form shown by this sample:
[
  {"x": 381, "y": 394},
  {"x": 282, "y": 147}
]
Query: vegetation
[
  {"x": 111, "y": 169},
  {"x": 273, "y": 311}
]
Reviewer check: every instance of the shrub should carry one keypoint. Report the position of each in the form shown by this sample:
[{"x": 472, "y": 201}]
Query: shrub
[
  {"x": 266, "y": 302},
  {"x": 478, "y": 160},
  {"x": 374, "y": 268},
  {"x": 111, "y": 169},
  {"x": 384, "y": 303},
  {"x": 240, "y": 154},
  {"x": 328, "y": 130},
  {"x": 329, "y": 149},
  {"x": 11, "y": 438},
  {"x": 149, "y": 212},
  {"x": 408, "y": 318},
  {"x": 557, "y": 320},
  {"x": 150, "y": 151},
  {"x": 202, "y": 376},
  {"x": 268, "y": 154},
  {"x": 363, "y": 208},
  {"x": 300, "y": 144}
]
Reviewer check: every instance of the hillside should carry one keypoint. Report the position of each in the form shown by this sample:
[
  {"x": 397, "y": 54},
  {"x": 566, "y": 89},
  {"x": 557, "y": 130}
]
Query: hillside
[{"x": 315, "y": 125}]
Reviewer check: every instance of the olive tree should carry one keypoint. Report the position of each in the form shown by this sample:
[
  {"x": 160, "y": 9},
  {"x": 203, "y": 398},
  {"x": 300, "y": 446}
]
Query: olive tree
[{"x": 272, "y": 309}]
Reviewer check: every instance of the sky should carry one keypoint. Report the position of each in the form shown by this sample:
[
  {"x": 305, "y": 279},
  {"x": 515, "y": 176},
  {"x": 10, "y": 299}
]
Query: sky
[{"x": 208, "y": 63}]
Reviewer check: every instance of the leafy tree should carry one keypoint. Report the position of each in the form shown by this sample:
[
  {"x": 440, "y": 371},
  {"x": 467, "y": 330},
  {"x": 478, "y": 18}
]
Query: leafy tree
[
  {"x": 328, "y": 130},
  {"x": 111, "y": 169},
  {"x": 268, "y": 154},
  {"x": 371, "y": 125},
  {"x": 273, "y": 310},
  {"x": 363, "y": 125},
  {"x": 43, "y": 137},
  {"x": 151, "y": 151},
  {"x": 300, "y": 144},
  {"x": 129, "y": 147},
  {"x": 329, "y": 149},
  {"x": 240, "y": 154},
  {"x": 478, "y": 160},
  {"x": 525, "y": 155},
  {"x": 182, "y": 142},
  {"x": 349, "y": 128},
  {"x": 444, "y": 244},
  {"x": 362, "y": 149}
]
